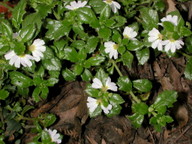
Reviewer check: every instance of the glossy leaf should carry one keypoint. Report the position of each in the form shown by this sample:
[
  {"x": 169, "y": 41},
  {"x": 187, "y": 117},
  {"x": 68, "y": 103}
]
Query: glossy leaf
[
  {"x": 3, "y": 94},
  {"x": 52, "y": 64},
  {"x": 142, "y": 55},
  {"x": 68, "y": 75},
  {"x": 124, "y": 84},
  {"x": 142, "y": 85},
  {"x": 127, "y": 59}
]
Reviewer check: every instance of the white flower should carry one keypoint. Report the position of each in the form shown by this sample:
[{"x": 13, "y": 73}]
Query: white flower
[
  {"x": 156, "y": 38},
  {"x": 173, "y": 45},
  {"x": 129, "y": 33},
  {"x": 97, "y": 84},
  {"x": 92, "y": 104},
  {"x": 170, "y": 18},
  {"x": 106, "y": 109},
  {"x": 75, "y": 5},
  {"x": 113, "y": 4},
  {"x": 111, "y": 48},
  {"x": 37, "y": 48},
  {"x": 18, "y": 60},
  {"x": 55, "y": 137}
]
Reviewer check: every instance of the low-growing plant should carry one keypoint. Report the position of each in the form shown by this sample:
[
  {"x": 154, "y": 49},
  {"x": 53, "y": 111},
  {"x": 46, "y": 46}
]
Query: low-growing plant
[{"x": 49, "y": 40}]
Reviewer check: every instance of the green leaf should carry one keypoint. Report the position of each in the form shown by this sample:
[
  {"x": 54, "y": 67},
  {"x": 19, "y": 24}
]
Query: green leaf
[
  {"x": 48, "y": 119},
  {"x": 92, "y": 92},
  {"x": 86, "y": 75},
  {"x": 124, "y": 84},
  {"x": 6, "y": 29},
  {"x": 94, "y": 61},
  {"x": 45, "y": 136},
  {"x": 136, "y": 119},
  {"x": 87, "y": 16},
  {"x": 134, "y": 45},
  {"x": 104, "y": 33},
  {"x": 3, "y": 94},
  {"x": 142, "y": 55},
  {"x": 91, "y": 45},
  {"x": 127, "y": 59},
  {"x": 105, "y": 13},
  {"x": 44, "y": 92},
  {"x": 142, "y": 85},
  {"x": 168, "y": 26},
  {"x": 71, "y": 54},
  {"x": 140, "y": 108},
  {"x": 116, "y": 36},
  {"x": 18, "y": 12},
  {"x": 97, "y": 5},
  {"x": 20, "y": 80},
  {"x": 149, "y": 18},
  {"x": 36, "y": 93},
  {"x": 116, "y": 99},
  {"x": 26, "y": 109},
  {"x": 19, "y": 48},
  {"x": 185, "y": 31},
  {"x": 52, "y": 64},
  {"x": 27, "y": 32},
  {"x": 116, "y": 109},
  {"x": 68, "y": 75},
  {"x": 188, "y": 69},
  {"x": 78, "y": 69},
  {"x": 166, "y": 98},
  {"x": 97, "y": 112},
  {"x": 82, "y": 55},
  {"x": 120, "y": 21},
  {"x": 52, "y": 81},
  {"x": 78, "y": 29}
]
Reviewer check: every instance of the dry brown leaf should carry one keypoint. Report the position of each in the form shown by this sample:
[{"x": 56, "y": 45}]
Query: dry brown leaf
[{"x": 171, "y": 6}]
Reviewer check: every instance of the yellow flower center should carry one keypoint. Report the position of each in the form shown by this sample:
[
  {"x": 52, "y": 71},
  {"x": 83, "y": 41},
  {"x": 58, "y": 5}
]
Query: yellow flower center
[
  {"x": 160, "y": 36},
  {"x": 99, "y": 101},
  {"x": 104, "y": 88},
  {"x": 109, "y": 1},
  {"x": 115, "y": 46},
  {"x": 32, "y": 47},
  {"x": 172, "y": 40},
  {"x": 126, "y": 36},
  {"x": 23, "y": 55}
]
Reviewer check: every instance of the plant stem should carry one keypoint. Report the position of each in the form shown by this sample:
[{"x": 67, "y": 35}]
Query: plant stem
[
  {"x": 131, "y": 92},
  {"x": 134, "y": 97},
  {"x": 116, "y": 67},
  {"x": 184, "y": 54}
]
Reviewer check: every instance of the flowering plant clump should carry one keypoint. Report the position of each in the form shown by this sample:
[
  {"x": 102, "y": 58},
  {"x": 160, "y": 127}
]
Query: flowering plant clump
[{"x": 44, "y": 42}]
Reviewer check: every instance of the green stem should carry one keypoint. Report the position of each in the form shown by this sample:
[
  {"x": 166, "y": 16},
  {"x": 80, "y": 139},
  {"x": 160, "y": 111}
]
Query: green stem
[
  {"x": 134, "y": 97},
  {"x": 184, "y": 54},
  {"x": 116, "y": 67}
]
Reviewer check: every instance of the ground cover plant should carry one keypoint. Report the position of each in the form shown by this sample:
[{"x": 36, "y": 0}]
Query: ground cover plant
[{"x": 132, "y": 59}]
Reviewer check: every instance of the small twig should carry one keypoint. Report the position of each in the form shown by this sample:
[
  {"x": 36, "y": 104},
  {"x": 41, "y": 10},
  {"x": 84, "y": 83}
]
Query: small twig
[
  {"x": 186, "y": 129},
  {"x": 153, "y": 141}
]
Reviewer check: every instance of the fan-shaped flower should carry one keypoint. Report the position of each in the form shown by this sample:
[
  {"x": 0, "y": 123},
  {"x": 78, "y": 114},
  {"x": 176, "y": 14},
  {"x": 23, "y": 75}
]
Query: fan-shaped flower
[
  {"x": 37, "y": 48},
  {"x": 18, "y": 60},
  {"x": 111, "y": 48},
  {"x": 113, "y": 4},
  {"x": 92, "y": 104},
  {"x": 106, "y": 109},
  {"x": 129, "y": 33},
  {"x": 173, "y": 45},
  {"x": 75, "y": 5},
  {"x": 55, "y": 137},
  {"x": 170, "y": 18},
  {"x": 97, "y": 84},
  {"x": 156, "y": 38}
]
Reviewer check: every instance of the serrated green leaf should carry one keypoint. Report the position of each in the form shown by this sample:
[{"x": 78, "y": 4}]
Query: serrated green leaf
[
  {"x": 86, "y": 75},
  {"x": 104, "y": 33},
  {"x": 27, "y": 32},
  {"x": 18, "y": 12},
  {"x": 188, "y": 69},
  {"x": 91, "y": 45},
  {"x": 20, "y": 80},
  {"x": 127, "y": 59},
  {"x": 166, "y": 98},
  {"x": 52, "y": 64},
  {"x": 142, "y": 55},
  {"x": 71, "y": 54},
  {"x": 149, "y": 18},
  {"x": 142, "y": 85},
  {"x": 68, "y": 75},
  {"x": 140, "y": 108},
  {"x": 136, "y": 119},
  {"x": 134, "y": 45},
  {"x": 94, "y": 61},
  {"x": 124, "y": 84}
]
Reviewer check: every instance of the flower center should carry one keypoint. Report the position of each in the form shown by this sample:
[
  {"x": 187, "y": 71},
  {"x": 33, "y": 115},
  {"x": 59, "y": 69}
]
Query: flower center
[
  {"x": 32, "y": 47},
  {"x": 104, "y": 88},
  {"x": 115, "y": 46},
  {"x": 172, "y": 40},
  {"x": 109, "y": 1},
  {"x": 126, "y": 36},
  {"x": 160, "y": 36},
  {"x": 23, "y": 55}
]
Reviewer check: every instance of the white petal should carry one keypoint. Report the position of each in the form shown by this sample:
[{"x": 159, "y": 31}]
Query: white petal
[
  {"x": 96, "y": 83},
  {"x": 111, "y": 85},
  {"x": 106, "y": 109},
  {"x": 9, "y": 55},
  {"x": 17, "y": 63},
  {"x": 116, "y": 4},
  {"x": 13, "y": 59},
  {"x": 38, "y": 42}
]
